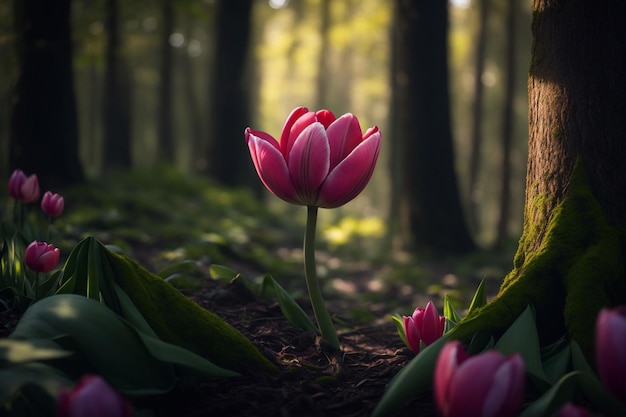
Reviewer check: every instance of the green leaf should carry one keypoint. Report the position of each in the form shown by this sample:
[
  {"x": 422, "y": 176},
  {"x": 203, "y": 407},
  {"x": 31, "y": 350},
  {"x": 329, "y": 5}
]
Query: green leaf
[
  {"x": 222, "y": 272},
  {"x": 116, "y": 350},
  {"x": 481, "y": 341},
  {"x": 14, "y": 378},
  {"x": 13, "y": 352},
  {"x": 522, "y": 337},
  {"x": 480, "y": 297},
  {"x": 553, "y": 399},
  {"x": 557, "y": 363},
  {"x": 414, "y": 379},
  {"x": 450, "y": 313},
  {"x": 187, "y": 267},
  {"x": 290, "y": 309},
  {"x": 399, "y": 322}
]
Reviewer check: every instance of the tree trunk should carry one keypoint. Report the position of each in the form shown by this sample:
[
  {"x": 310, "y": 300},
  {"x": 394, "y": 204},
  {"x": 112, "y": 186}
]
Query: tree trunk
[
  {"x": 229, "y": 161},
  {"x": 322, "y": 62},
  {"x": 116, "y": 143},
  {"x": 435, "y": 217},
  {"x": 507, "y": 125},
  {"x": 570, "y": 259},
  {"x": 166, "y": 151},
  {"x": 44, "y": 130},
  {"x": 476, "y": 138}
]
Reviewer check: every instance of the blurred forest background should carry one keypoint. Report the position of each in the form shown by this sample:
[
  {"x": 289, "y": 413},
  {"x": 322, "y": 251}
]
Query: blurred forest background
[{"x": 177, "y": 82}]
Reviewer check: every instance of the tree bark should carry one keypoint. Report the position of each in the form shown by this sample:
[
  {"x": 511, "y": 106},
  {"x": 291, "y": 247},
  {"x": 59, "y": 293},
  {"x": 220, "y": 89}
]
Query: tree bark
[
  {"x": 229, "y": 161},
  {"x": 44, "y": 129},
  {"x": 430, "y": 188},
  {"x": 570, "y": 259}
]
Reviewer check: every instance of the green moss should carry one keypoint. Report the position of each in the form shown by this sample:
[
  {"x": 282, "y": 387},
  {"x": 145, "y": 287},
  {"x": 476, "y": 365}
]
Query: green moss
[
  {"x": 178, "y": 320},
  {"x": 568, "y": 270}
]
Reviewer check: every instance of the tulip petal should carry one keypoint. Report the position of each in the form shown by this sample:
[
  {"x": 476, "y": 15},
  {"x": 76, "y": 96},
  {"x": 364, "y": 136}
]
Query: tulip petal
[
  {"x": 351, "y": 176},
  {"x": 412, "y": 334},
  {"x": 308, "y": 162},
  {"x": 431, "y": 324},
  {"x": 451, "y": 356},
  {"x": 271, "y": 166},
  {"x": 344, "y": 134},
  {"x": 471, "y": 382},
  {"x": 504, "y": 399},
  {"x": 296, "y": 126},
  {"x": 610, "y": 353},
  {"x": 325, "y": 117}
]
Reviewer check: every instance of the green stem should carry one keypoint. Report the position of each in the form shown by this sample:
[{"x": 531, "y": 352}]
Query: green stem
[{"x": 324, "y": 321}]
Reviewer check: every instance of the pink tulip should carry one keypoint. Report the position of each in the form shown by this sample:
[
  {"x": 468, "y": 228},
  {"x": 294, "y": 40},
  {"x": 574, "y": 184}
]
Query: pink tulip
[
  {"x": 425, "y": 325},
  {"x": 52, "y": 204},
  {"x": 23, "y": 188},
  {"x": 319, "y": 160},
  {"x": 611, "y": 350},
  {"x": 572, "y": 410},
  {"x": 92, "y": 397},
  {"x": 41, "y": 256},
  {"x": 485, "y": 385}
]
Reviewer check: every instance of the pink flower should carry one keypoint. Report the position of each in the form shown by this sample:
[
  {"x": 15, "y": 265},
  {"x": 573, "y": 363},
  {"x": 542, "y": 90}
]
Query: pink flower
[
  {"x": 485, "y": 385},
  {"x": 319, "y": 160},
  {"x": 52, "y": 204},
  {"x": 611, "y": 350},
  {"x": 23, "y": 188},
  {"x": 425, "y": 325},
  {"x": 41, "y": 256},
  {"x": 92, "y": 397},
  {"x": 572, "y": 410}
]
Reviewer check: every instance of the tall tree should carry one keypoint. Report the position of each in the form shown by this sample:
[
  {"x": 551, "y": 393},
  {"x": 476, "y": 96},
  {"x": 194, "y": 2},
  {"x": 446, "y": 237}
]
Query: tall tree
[
  {"x": 570, "y": 259},
  {"x": 422, "y": 113},
  {"x": 44, "y": 131},
  {"x": 322, "y": 59},
  {"x": 166, "y": 151},
  {"x": 116, "y": 145},
  {"x": 507, "y": 123},
  {"x": 229, "y": 161},
  {"x": 476, "y": 138}
]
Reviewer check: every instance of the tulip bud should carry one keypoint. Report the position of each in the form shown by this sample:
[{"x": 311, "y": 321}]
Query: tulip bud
[
  {"x": 424, "y": 325},
  {"x": 41, "y": 256},
  {"x": 319, "y": 160},
  {"x": 486, "y": 385},
  {"x": 611, "y": 350},
  {"x": 92, "y": 397},
  {"x": 52, "y": 204},
  {"x": 23, "y": 188},
  {"x": 572, "y": 410}
]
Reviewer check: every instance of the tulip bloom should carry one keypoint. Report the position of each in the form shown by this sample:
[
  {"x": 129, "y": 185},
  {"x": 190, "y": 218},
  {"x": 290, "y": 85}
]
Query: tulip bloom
[
  {"x": 52, "y": 204},
  {"x": 425, "y": 325},
  {"x": 572, "y": 410},
  {"x": 485, "y": 385},
  {"x": 23, "y": 188},
  {"x": 611, "y": 350},
  {"x": 41, "y": 256},
  {"x": 92, "y": 397},
  {"x": 319, "y": 160}
]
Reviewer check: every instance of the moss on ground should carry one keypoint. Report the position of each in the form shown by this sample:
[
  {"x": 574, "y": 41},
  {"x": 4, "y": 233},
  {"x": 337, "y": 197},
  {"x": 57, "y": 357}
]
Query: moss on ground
[{"x": 568, "y": 270}]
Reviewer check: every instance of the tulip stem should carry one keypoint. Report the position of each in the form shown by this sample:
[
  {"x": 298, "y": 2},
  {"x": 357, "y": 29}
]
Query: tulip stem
[{"x": 324, "y": 321}]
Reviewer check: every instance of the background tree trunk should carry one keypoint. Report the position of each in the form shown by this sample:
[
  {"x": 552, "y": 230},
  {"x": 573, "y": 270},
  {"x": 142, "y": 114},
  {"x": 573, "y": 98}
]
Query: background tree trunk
[
  {"x": 476, "y": 139},
  {"x": 570, "y": 259},
  {"x": 166, "y": 150},
  {"x": 322, "y": 64},
  {"x": 116, "y": 143},
  {"x": 229, "y": 160},
  {"x": 44, "y": 135},
  {"x": 435, "y": 217}
]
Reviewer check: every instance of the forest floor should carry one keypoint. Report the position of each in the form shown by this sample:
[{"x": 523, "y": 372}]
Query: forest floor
[{"x": 362, "y": 291}]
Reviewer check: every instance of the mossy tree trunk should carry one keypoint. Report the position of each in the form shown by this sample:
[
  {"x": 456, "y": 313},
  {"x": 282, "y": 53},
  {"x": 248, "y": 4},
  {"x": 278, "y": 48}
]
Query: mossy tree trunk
[{"x": 570, "y": 259}]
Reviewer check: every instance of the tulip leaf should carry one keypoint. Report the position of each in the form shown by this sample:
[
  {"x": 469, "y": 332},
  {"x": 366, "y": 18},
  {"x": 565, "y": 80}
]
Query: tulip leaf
[
  {"x": 13, "y": 352},
  {"x": 222, "y": 272},
  {"x": 187, "y": 267},
  {"x": 16, "y": 378},
  {"x": 288, "y": 306},
  {"x": 414, "y": 379},
  {"x": 452, "y": 317},
  {"x": 399, "y": 322},
  {"x": 131, "y": 361},
  {"x": 553, "y": 399},
  {"x": 481, "y": 341},
  {"x": 556, "y": 364},
  {"x": 593, "y": 388},
  {"x": 480, "y": 297},
  {"x": 522, "y": 337}
]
